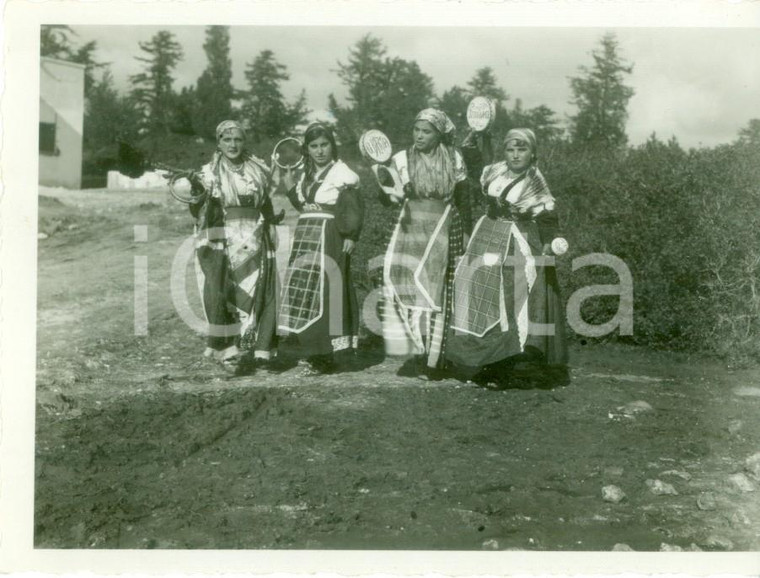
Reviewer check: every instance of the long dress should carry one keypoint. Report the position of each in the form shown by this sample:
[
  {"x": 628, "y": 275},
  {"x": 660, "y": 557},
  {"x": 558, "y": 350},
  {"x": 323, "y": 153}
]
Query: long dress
[
  {"x": 234, "y": 257},
  {"x": 319, "y": 303},
  {"x": 506, "y": 299},
  {"x": 426, "y": 241}
]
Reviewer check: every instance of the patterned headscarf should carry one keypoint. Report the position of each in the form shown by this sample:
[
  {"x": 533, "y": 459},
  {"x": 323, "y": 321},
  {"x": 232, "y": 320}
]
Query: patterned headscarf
[
  {"x": 438, "y": 119},
  {"x": 522, "y": 134},
  {"x": 226, "y": 125}
]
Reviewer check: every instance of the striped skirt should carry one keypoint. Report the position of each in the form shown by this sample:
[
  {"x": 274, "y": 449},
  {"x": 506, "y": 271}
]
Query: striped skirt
[{"x": 419, "y": 267}]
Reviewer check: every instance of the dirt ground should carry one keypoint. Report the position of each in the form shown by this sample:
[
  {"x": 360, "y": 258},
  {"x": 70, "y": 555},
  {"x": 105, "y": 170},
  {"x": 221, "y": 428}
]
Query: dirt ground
[{"x": 142, "y": 443}]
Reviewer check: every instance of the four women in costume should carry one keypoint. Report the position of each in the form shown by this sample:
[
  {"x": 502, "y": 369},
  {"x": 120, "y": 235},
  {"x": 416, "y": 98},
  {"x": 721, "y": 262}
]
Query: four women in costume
[{"x": 498, "y": 303}]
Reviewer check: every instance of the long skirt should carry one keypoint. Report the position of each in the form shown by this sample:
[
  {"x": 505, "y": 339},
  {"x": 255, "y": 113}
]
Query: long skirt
[
  {"x": 506, "y": 300},
  {"x": 419, "y": 267},
  {"x": 237, "y": 279},
  {"x": 319, "y": 303}
]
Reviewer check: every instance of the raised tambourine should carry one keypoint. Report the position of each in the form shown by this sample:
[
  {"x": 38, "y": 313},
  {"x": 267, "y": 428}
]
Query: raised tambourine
[
  {"x": 288, "y": 153},
  {"x": 560, "y": 246},
  {"x": 375, "y": 146},
  {"x": 481, "y": 113}
]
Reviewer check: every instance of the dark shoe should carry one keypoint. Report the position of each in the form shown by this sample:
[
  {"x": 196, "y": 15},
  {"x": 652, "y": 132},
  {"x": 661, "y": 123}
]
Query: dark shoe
[
  {"x": 412, "y": 367},
  {"x": 556, "y": 376},
  {"x": 494, "y": 375},
  {"x": 319, "y": 365},
  {"x": 433, "y": 374}
]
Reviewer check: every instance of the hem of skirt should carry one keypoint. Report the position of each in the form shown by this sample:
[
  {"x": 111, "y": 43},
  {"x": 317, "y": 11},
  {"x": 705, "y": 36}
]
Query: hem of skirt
[
  {"x": 222, "y": 354},
  {"x": 264, "y": 354},
  {"x": 345, "y": 342}
]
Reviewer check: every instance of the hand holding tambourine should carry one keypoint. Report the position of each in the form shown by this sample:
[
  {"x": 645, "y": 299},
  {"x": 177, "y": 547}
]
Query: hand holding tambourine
[
  {"x": 287, "y": 157},
  {"x": 183, "y": 184},
  {"x": 376, "y": 147},
  {"x": 481, "y": 114}
]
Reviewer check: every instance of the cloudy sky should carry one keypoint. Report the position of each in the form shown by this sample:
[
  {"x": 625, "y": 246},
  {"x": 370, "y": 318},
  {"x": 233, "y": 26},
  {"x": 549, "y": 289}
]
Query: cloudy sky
[{"x": 699, "y": 84}]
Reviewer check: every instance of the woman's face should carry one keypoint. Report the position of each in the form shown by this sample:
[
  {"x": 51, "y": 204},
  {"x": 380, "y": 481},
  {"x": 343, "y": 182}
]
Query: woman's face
[
  {"x": 320, "y": 151},
  {"x": 231, "y": 144},
  {"x": 519, "y": 155},
  {"x": 426, "y": 136}
]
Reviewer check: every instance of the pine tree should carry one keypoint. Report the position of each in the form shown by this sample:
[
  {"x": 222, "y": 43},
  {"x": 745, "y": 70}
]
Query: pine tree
[
  {"x": 109, "y": 117},
  {"x": 384, "y": 93},
  {"x": 484, "y": 84},
  {"x": 541, "y": 119},
  {"x": 214, "y": 90},
  {"x": 454, "y": 103},
  {"x": 264, "y": 106},
  {"x": 56, "y": 42},
  {"x": 750, "y": 135},
  {"x": 152, "y": 90},
  {"x": 602, "y": 98}
]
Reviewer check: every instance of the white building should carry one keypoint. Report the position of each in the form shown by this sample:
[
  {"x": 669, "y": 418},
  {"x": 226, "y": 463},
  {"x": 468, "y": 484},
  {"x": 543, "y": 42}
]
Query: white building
[{"x": 61, "y": 121}]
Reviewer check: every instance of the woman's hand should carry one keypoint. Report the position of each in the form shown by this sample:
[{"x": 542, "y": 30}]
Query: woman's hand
[
  {"x": 348, "y": 246},
  {"x": 469, "y": 140},
  {"x": 287, "y": 177},
  {"x": 547, "y": 250},
  {"x": 314, "y": 207}
]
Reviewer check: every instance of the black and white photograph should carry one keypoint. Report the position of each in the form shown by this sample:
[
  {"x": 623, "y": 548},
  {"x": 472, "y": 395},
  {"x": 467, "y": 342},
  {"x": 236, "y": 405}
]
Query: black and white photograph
[{"x": 409, "y": 285}]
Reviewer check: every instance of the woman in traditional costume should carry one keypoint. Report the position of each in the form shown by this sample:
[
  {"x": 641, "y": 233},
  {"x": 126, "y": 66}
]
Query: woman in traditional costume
[
  {"x": 507, "y": 304},
  {"x": 319, "y": 303},
  {"x": 426, "y": 241},
  {"x": 234, "y": 254}
]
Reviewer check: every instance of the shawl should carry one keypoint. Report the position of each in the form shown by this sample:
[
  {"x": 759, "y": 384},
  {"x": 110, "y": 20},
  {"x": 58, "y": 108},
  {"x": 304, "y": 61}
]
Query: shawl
[
  {"x": 527, "y": 194},
  {"x": 222, "y": 181},
  {"x": 435, "y": 174}
]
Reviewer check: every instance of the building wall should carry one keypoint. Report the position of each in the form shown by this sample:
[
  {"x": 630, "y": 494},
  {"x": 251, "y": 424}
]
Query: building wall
[{"x": 61, "y": 121}]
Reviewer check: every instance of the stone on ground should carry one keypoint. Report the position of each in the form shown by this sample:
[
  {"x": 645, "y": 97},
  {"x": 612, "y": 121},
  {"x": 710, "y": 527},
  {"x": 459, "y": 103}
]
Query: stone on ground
[
  {"x": 613, "y": 494},
  {"x": 660, "y": 488}
]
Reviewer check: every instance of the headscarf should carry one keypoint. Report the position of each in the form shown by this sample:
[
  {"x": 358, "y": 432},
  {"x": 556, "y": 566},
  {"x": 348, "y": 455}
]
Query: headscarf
[
  {"x": 438, "y": 119},
  {"x": 434, "y": 175},
  {"x": 522, "y": 134},
  {"x": 219, "y": 177},
  {"x": 226, "y": 125}
]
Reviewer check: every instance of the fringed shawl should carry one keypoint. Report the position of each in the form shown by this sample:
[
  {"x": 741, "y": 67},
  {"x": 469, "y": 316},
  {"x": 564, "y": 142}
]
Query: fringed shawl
[{"x": 527, "y": 194}]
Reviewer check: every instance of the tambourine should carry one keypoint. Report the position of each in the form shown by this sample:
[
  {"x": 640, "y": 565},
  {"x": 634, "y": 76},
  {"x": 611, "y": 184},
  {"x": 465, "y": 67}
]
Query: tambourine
[
  {"x": 481, "y": 112},
  {"x": 375, "y": 146},
  {"x": 560, "y": 246},
  {"x": 180, "y": 186},
  {"x": 181, "y": 189},
  {"x": 288, "y": 153}
]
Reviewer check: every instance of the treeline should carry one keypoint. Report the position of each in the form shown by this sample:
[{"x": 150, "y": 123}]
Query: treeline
[
  {"x": 382, "y": 92},
  {"x": 686, "y": 223}
]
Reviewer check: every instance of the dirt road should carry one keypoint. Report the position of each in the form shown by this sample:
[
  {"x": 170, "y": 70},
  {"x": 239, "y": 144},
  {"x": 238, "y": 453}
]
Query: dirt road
[{"x": 142, "y": 443}]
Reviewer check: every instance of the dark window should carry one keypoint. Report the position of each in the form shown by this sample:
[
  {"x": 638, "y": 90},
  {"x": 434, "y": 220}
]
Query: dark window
[{"x": 47, "y": 138}]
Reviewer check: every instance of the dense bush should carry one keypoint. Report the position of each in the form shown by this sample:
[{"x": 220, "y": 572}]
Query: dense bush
[{"x": 686, "y": 225}]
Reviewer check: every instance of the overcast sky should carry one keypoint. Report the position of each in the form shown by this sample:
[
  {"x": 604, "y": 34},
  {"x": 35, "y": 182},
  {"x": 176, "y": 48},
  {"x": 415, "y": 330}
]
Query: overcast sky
[{"x": 700, "y": 84}]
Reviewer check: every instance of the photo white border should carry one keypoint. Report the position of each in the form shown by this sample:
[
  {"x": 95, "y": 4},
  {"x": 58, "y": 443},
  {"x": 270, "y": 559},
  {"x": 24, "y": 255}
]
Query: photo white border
[{"x": 18, "y": 214}]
